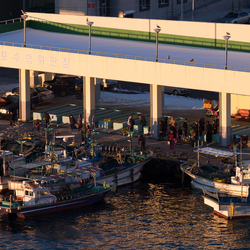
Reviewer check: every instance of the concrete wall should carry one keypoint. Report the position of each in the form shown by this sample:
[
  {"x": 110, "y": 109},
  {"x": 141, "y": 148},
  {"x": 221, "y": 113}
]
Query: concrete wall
[
  {"x": 126, "y": 70},
  {"x": 239, "y": 102}
]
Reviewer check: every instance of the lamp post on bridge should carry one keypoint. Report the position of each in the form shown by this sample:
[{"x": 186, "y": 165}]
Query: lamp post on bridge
[
  {"x": 24, "y": 17},
  {"x": 157, "y": 31},
  {"x": 89, "y": 24},
  {"x": 226, "y": 37}
]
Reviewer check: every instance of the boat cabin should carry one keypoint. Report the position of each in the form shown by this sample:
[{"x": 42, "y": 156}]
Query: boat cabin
[
  {"x": 31, "y": 193},
  {"x": 242, "y": 174}
]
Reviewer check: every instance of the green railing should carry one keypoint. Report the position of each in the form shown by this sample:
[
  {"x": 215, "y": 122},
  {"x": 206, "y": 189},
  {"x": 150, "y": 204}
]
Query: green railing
[
  {"x": 126, "y": 34},
  {"x": 139, "y": 35}
]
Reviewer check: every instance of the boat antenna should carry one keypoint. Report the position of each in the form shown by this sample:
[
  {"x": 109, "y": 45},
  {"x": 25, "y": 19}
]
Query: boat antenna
[
  {"x": 94, "y": 144},
  {"x": 198, "y": 155},
  {"x": 130, "y": 133},
  {"x": 94, "y": 176}
]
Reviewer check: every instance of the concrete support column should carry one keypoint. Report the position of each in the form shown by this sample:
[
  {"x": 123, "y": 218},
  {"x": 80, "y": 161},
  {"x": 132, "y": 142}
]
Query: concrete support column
[
  {"x": 98, "y": 83},
  {"x": 225, "y": 118},
  {"x": 24, "y": 95},
  {"x": 33, "y": 78},
  {"x": 89, "y": 100},
  {"x": 156, "y": 104}
]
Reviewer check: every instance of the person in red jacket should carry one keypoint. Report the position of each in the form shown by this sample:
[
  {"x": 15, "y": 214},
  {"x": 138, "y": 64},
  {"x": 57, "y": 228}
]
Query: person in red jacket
[{"x": 171, "y": 139}]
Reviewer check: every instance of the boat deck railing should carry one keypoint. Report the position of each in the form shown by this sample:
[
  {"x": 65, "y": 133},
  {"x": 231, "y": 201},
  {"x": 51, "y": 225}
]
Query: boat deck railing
[{"x": 214, "y": 195}]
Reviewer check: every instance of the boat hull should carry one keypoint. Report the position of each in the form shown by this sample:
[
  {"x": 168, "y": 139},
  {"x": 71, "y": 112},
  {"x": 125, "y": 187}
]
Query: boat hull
[
  {"x": 29, "y": 211},
  {"x": 124, "y": 177},
  {"x": 199, "y": 182},
  {"x": 228, "y": 210}
]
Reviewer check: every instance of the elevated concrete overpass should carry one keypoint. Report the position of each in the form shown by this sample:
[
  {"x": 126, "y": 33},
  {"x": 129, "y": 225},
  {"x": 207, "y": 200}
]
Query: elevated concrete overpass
[{"x": 34, "y": 58}]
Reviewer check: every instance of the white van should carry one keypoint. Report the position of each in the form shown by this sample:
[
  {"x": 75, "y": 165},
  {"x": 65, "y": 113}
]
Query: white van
[{"x": 176, "y": 91}]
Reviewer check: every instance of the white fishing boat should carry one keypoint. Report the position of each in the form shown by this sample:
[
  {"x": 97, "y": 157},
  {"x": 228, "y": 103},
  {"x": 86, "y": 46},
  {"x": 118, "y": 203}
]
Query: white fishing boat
[
  {"x": 116, "y": 165},
  {"x": 215, "y": 181},
  {"x": 124, "y": 168},
  {"x": 228, "y": 207},
  {"x": 58, "y": 170}
]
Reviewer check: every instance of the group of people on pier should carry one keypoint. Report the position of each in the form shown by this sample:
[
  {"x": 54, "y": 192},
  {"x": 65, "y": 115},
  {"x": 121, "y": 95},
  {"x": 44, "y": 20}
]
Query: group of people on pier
[{"x": 199, "y": 131}]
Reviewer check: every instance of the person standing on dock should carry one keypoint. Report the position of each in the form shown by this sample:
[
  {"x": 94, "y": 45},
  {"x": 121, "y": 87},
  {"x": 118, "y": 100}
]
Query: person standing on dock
[
  {"x": 88, "y": 133},
  {"x": 36, "y": 124},
  {"x": 215, "y": 127},
  {"x": 165, "y": 125},
  {"x": 184, "y": 128},
  {"x": 179, "y": 134},
  {"x": 12, "y": 118},
  {"x": 171, "y": 139},
  {"x": 161, "y": 135},
  {"x": 79, "y": 121},
  {"x": 46, "y": 119},
  {"x": 209, "y": 132},
  {"x": 193, "y": 135},
  {"x": 142, "y": 121},
  {"x": 83, "y": 133},
  {"x": 72, "y": 122},
  {"x": 142, "y": 142},
  {"x": 131, "y": 123}
]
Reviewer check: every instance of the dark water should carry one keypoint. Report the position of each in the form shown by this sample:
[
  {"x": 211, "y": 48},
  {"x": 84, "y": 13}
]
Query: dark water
[{"x": 141, "y": 216}]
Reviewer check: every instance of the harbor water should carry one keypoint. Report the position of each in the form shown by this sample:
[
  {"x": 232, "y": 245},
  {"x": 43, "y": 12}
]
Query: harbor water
[{"x": 140, "y": 216}]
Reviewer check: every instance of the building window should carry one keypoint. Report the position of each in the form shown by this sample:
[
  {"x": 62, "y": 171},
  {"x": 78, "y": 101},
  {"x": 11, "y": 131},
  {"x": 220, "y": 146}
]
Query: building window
[
  {"x": 163, "y": 3},
  {"x": 179, "y": 1},
  {"x": 144, "y": 5}
]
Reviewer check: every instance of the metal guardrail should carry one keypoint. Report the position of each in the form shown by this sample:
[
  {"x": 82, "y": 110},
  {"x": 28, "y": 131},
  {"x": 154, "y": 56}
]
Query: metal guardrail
[
  {"x": 123, "y": 56},
  {"x": 19, "y": 19}
]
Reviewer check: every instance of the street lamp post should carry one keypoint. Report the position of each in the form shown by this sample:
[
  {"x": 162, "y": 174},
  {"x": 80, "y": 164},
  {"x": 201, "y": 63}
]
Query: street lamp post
[
  {"x": 226, "y": 37},
  {"x": 24, "y": 17},
  {"x": 157, "y": 31},
  {"x": 89, "y": 24}
]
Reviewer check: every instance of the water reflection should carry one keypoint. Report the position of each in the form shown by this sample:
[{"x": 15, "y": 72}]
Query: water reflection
[{"x": 141, "y": 216}]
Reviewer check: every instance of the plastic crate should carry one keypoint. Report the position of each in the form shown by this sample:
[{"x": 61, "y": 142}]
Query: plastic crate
[{"x": 208, "y": 105}]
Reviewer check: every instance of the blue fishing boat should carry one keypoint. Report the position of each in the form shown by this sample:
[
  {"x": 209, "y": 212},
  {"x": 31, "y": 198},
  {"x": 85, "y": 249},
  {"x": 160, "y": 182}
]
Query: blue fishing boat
[{"x": 31, "y": 199}]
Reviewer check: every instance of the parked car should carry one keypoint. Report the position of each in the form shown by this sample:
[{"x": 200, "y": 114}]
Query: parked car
[
  {"x": 10, "y": 102},
  {"x": 33, "y": 92},
  {"x": 106, "y": 84},
  {"x": 176, "y": 91},
  {"x": 236, "y": 17},
  {"x": 42, "y": 93},
  {"x": 63, "y": 85}
]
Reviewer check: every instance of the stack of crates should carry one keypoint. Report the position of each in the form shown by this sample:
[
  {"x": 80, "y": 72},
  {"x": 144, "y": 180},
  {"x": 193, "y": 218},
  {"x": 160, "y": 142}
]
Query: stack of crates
[{"x": 208, "y": 104}]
